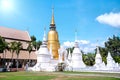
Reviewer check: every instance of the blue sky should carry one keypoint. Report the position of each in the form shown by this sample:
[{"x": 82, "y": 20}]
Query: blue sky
[{"x": 93, "y": 19}]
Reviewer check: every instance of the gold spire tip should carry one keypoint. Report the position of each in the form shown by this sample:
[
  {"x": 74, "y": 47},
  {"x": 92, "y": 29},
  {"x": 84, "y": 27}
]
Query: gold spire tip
[{"x": 52, "y": 21}]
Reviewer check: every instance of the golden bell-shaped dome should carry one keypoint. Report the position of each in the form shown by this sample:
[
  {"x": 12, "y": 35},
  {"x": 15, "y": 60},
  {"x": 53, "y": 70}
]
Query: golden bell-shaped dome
[
  {"x": 53, "y": 39},
  {"x": 52, "y": 35},
  {"x": 54, "y": 42}
]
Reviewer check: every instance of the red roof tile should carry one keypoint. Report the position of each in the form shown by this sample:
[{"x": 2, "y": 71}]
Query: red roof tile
[{"x": 14, "y": 34}]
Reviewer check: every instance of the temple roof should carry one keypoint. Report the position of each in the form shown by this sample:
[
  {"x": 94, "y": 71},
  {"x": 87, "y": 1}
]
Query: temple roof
[{"x": 14, "y": 34}]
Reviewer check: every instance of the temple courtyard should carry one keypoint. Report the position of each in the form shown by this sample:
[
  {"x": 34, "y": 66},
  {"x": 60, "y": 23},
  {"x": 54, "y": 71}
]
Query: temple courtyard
[{"x": 59, "y": 76}]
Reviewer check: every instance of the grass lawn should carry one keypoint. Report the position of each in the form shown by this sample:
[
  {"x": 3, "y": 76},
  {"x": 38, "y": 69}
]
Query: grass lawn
[{"x": 56, "y": 76}]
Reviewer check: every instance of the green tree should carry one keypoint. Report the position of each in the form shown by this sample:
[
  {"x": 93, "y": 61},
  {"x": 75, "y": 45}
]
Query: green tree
[
  {"x": 3, "y": 48},
  {"x": 1, "y": 44},
  {"x": 38, "y": 43},
  {"x": 33, "y": 41},
  {"x": 18, "y": 47},
  {"x": 30, "y": 48},
  {"x": 89, "y": 59},
  {"x": 35, "y": 44},
  {"x": 70, "y": 49},
  {"x": 12, "y": 49},
  {"x": 104, "y": 53},
  {"x": 113, "y": 45},
  {"x": 33, "y": 38}
]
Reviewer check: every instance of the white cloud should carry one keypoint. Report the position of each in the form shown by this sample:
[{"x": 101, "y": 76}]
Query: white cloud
[
  {"x": 68, "y": 44},
  {"x": 83, "y": 41},
  {"x": 71, "y": 44},
  {"x": 88, "y": 49},
  {"x": 112, "y": 19},
  {"x": 85, "y": 45}
]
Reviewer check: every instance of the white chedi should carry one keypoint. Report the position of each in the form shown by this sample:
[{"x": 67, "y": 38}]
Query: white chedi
[
  {"x": 43, "y": 54},
  {"x": 111, "y": 65},
  {"x": 99, "y": 65},
  {"x": 110, "y": 61},
  {"x": 43, "y": 58},
  {"x": 77, "y": 61}
]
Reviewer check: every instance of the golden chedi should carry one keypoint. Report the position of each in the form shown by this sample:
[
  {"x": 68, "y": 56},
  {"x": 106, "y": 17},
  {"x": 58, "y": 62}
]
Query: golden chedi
[{"x": 53, "y": 40}]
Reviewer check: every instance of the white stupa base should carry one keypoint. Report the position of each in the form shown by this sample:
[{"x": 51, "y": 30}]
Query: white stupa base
[{"x": 43, "y": 67}]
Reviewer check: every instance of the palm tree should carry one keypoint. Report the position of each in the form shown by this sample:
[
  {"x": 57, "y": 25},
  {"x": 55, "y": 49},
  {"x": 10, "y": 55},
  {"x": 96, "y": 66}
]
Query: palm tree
[
  {"x": 29, "y": 48},
  {"x": 35, "y": 44},
  {"x": 38, "y": 43},
  {"x": 33, "y": 41},
  {"x": 3, "y": 48},
  {"x": 12, "y": 49},
  {"x": 18, "y": 48}
]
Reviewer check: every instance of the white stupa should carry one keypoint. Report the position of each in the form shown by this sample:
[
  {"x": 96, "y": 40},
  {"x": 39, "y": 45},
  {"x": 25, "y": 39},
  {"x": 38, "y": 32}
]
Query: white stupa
[
  {"x": 99, "y": 65},
  {"x": 77, "y": 61},
  {"x": 111, "y": 65},
  {"x": 43, "y": 58}
]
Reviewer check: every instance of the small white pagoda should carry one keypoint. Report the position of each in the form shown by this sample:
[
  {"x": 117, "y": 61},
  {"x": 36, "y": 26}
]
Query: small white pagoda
[
  {"x": 77, "y": 61},
  {"x": 111, "y": 65},
  {"x": 99, "y": 64}
]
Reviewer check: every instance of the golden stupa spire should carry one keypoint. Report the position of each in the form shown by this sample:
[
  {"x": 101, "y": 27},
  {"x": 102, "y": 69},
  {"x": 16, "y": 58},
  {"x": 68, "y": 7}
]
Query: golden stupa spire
[{"x": 52, "y": 24}]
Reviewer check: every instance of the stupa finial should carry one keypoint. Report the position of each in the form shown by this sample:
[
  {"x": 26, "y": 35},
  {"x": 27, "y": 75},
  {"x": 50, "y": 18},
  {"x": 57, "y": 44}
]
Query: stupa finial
[
  {"x": 75, "y": 35},
  {"x": 44, "y": 37},
  {"x": 52, "y": 24}
]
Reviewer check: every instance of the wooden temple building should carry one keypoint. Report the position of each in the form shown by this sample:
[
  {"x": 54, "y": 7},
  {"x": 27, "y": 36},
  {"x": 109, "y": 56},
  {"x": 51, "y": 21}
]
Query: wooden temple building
[{"x": 11, "y": 35}]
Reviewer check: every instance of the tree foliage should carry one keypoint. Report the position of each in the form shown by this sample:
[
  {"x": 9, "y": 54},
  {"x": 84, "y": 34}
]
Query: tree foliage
[
  {"x": 33, "y": 38},
  {"x": 36, "y": 44},
  {"x": 18, "y": 46},
  {"x": 70, "y": 49},
  {"x": 3, "y": 45},
  {"x": 12, "y": 48},
  {"x": 89, "y": 59},
  {"x": 113, "y": 46},
  {"x": 29, "y": 49}
]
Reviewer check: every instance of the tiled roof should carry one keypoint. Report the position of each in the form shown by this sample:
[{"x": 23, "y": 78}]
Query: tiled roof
[{"x": 14, "y": 34}]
